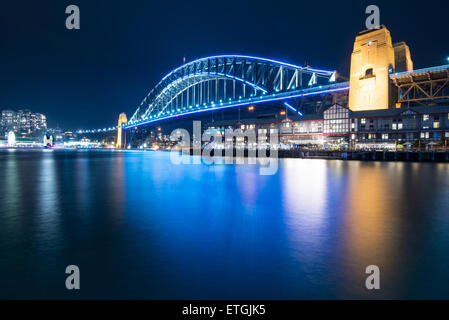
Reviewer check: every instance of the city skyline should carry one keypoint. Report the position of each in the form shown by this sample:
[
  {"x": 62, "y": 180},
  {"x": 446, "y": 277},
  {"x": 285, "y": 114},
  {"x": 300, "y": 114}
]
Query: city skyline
[{"x": 67, "y": 64}]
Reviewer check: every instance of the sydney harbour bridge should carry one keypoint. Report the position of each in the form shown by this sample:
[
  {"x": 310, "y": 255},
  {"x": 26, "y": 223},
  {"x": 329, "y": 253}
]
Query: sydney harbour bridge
[
  {"x": 230, "y": 81},
  {"x": 381, "y": 78},
  {"x": 227, "y": 81}
]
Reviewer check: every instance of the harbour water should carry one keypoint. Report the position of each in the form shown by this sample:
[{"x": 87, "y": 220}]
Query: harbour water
[{"x": 140, "y": 227}]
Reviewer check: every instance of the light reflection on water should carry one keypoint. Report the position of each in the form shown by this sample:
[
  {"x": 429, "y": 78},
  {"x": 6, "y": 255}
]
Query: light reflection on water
[{"x": 140, "y": 227}]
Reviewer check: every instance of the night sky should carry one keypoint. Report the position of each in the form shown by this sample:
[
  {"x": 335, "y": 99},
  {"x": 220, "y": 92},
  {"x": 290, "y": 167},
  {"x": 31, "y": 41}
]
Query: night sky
[{"x": 85, "y": 78}]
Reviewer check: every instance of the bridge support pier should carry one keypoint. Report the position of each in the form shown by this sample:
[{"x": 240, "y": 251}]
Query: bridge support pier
[{"x": 121, "y": 138}]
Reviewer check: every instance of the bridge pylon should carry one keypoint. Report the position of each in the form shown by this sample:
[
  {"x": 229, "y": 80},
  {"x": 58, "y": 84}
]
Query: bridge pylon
[
  {"x": 121, "y": 138},
  {"x": 373, "y": 60}
]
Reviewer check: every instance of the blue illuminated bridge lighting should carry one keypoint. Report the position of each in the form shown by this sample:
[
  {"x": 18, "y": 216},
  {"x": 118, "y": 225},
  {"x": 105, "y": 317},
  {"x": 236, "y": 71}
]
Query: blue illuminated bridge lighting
[
  {"x": 335, "y": 88},
  {"x": 230, "y": 81}
]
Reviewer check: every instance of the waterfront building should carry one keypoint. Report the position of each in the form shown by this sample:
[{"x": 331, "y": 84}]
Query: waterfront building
[
  {"x": 389, "y": 104},
  {"x": 339, "y": 126},
  {"x": 24, "y": 123}
]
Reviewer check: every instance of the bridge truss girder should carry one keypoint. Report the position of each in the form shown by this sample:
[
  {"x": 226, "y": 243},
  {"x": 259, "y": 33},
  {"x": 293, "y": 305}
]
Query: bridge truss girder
[
  {"x": 424, "y": 91},
  {"x": 423, "y": 86},
  {"x": 209, "y": 81}
]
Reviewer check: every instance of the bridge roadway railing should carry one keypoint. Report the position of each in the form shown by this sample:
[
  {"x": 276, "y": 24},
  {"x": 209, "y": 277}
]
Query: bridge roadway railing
[{"x": 280, "y": 96}]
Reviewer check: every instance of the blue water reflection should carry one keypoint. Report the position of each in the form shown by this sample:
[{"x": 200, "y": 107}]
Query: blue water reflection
[{"x": 141, "y": 227}]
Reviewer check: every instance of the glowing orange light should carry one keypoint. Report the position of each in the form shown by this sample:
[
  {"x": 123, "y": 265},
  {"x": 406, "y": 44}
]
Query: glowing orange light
[
  {"x": 251, "y": 108},
  {"x": 282, "y": 113}
]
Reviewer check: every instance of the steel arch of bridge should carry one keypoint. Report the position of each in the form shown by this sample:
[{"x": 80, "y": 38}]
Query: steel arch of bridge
[{"x": 228, "y": 80}]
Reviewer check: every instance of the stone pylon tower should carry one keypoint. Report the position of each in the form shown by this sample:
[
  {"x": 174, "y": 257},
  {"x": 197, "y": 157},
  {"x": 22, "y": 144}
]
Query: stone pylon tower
[
  {"x": 372, "y": 59},
  {"x": 121, "y": 138}
]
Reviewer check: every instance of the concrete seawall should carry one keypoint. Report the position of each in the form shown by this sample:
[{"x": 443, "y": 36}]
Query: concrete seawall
[
  {"x": 410, "y": 156},
  {"x": 367, "y": 155}
]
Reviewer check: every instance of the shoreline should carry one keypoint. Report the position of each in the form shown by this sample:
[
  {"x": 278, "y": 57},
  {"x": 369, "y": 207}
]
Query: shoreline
[{"x": 402, "y": 156}]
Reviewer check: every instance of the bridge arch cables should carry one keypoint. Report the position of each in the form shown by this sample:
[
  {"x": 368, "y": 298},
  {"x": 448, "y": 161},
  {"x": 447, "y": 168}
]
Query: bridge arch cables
[{"x": 225, "y": 81}]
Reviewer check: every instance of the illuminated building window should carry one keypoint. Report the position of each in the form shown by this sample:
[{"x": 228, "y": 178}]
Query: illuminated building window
[
  {"x": 400, "y": 126},
  {"x": 385, "y": 136},
  {"x": 394, "y": 126},
  {"x": 425, "y": 117},
  {"x": 363, "y": 121},
  {"x": 336, "y": 120},
  {"x": 369, "y": 73},
  {"x": 436, "y": 124}
]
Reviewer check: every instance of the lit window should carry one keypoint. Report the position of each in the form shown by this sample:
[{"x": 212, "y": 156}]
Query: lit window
[
  {"x": 368, "y": 72},
  {"x": 399, "y": 126},
  {"x": 363, "y": 121},
  {"x": 394, "y": 126},
  {"x": 436, "y": 124},
  {"x": 425, "y": 117},
  {"x": 385, "y": 136}
]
